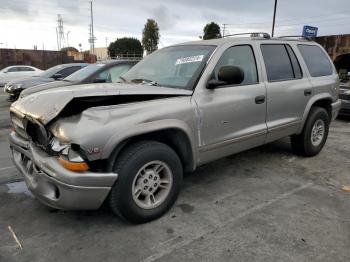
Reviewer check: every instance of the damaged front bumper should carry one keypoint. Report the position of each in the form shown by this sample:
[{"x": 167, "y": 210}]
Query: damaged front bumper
[{"x": 54, "y": 185}]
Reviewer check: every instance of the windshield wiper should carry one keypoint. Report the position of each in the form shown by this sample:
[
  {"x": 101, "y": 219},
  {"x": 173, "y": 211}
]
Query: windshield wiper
[{"x": 144, "y": 81}]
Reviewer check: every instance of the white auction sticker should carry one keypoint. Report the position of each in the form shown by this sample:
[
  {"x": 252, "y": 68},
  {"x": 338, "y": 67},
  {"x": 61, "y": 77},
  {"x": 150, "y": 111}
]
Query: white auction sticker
[{"x": 189, "y": 59}]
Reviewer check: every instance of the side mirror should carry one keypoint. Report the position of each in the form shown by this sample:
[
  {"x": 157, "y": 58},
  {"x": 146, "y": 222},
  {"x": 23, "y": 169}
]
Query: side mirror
[
  {"x": 5, "y": 72},
  {"x": 227, "y": 75},
  {"x": 57, "y": 76},
  {"x": 99, "y": 80}
]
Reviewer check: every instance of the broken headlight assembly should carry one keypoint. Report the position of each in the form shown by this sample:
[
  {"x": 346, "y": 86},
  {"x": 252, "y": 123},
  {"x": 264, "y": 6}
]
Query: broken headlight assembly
[{"x": 69, "y": 157}]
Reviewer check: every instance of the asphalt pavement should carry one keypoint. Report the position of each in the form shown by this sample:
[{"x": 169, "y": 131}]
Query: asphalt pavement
[{"x": 265, "y": 204}]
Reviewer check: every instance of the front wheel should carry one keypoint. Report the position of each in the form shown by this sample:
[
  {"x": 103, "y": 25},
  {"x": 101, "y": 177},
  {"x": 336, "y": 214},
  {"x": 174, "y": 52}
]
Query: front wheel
[
  {"x": 149, "y": 181},
  {"x": 311, "y": 141}
]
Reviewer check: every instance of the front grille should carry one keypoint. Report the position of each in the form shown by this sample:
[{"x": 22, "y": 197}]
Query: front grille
[
  {"x": 29, "y": 130},
  {"x": 38, "y": 134}
]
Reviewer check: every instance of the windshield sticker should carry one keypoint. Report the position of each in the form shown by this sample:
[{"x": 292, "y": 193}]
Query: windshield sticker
[{"x": 189, "y": 59}]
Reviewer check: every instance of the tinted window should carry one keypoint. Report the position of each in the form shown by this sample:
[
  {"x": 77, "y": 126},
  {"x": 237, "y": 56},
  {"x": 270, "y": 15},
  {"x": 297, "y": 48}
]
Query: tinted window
[
  {"x": 295, "y": 63},
  {"x": 68, "y": 71},
  {"x": 13, "y": 69},
  {"x": 243, "y": 57},
  {"x": 84, "y": 72},
  {"x": 316, "y": 60},
  {"x": 277, "y": 62},
  {"x": 51, "y": 71},
  {"x": 25, "y": 69}
]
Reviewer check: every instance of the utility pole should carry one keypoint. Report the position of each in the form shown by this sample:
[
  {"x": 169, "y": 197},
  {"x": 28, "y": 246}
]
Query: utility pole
[
  {"x": 68, "y": 38},
  {"x": 90, "y": 38},
  {"x": 92, "y": 30},
  {"x": 274, "y": 19},
  {"x": 58, "y": 44},
  {"x": 60, "y": 32},
  {"x": 223, "y": 29}
]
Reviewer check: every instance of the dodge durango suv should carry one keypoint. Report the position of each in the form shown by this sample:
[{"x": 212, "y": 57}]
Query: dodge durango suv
[{"x": 128, "y": 143}]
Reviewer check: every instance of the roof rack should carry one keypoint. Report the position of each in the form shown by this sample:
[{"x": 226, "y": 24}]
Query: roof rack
[{"x": 252, "y": 34}]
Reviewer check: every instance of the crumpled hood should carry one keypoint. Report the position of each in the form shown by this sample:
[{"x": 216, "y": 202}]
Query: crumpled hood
[{"x": 46, "y": 105}]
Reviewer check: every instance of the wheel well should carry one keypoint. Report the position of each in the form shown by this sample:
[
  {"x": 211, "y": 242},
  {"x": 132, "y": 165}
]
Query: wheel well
[
  {"x": 326, "y": 104},
  {"x": 174, "y": 138}
]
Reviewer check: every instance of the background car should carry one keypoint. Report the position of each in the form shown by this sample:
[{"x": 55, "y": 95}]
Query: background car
[
  {"x": 344, "y": 95},
  {"x": 101, "y": 72},
  {"x": 52, "y": 74},
  {"x": 16, "y": 72}
]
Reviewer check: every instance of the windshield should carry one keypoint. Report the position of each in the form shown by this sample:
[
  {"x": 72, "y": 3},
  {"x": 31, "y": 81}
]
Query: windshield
[
  {"x": 177, "y": 66},
  {"x": 83, "y": 73},
  {"x": 51, "y": 71}
]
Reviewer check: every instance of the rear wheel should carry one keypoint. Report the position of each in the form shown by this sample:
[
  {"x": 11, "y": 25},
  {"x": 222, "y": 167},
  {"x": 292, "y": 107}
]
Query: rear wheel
[
  {"x": 150, "y": 176},
  {"x": 314, "y": 135}
]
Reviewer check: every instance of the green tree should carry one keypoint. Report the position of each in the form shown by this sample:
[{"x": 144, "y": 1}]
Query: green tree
[
  {"x": 150, "y": 36},
  {"x": 69, "y": 48},
  {"x": 127, "y": 46},
  {"x": 211, "y": 31}
]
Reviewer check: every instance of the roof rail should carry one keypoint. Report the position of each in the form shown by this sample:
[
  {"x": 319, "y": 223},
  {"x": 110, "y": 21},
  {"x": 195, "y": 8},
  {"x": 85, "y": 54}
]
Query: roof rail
[
  {"x": 295, "y": 36},
  {"x": 252, "y": 34}
]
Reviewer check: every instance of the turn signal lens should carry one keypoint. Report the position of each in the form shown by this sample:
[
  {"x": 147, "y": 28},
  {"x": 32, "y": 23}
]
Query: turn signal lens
[{"x": 73, "y": 166}]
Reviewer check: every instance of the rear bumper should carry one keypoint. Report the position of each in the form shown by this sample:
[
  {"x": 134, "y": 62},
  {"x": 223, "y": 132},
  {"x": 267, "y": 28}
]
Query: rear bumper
[
  {"x": 54, "y": 185},
  {"x": 336, "y": 108}
]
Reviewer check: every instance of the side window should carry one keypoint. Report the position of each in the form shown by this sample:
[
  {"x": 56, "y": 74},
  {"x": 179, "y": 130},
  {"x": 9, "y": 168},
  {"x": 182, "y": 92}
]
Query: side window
[
  {"x": 25, "y": 69},
  {"x": 13, "y": 69},
  {"x": 68, "y": 71},
  {"x": 116, "y": 71},
  {"x": 243, "y": 57},
  {"x": 316, "y": 60},
  {"x": 295, "y": 63},
  {"x": 277, "y": 62}
]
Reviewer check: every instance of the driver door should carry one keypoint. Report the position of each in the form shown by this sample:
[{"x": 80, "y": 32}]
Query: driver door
[{"x": 233, "y": 117}]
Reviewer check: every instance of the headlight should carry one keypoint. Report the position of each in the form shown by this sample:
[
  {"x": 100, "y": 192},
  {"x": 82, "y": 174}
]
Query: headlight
[
  {"x": 68, "y": 158},
  {"x": 16, "y": 86}
]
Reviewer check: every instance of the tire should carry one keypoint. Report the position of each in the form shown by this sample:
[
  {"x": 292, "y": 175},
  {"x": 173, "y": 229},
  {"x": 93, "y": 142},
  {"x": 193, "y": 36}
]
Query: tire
[
  {"x": 305, "y": 144},
  {"x": 146, "y": 156}
]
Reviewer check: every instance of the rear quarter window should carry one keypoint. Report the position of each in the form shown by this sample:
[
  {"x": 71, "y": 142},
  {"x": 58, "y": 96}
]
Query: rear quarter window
[{"x": 316, "y": 60}]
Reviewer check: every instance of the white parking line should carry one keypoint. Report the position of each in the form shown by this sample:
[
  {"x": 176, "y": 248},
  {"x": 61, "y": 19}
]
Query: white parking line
[
  {"x": 167, "y": 249},
  {"x": 7, "y": 167}
]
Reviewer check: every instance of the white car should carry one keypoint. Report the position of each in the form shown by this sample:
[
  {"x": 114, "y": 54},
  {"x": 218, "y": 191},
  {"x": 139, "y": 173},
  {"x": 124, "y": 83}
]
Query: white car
[{"x": 17, "y": 72}]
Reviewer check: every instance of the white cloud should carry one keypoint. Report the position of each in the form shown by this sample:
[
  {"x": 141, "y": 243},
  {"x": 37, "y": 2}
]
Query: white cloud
[{"x": 28, "y": 22}]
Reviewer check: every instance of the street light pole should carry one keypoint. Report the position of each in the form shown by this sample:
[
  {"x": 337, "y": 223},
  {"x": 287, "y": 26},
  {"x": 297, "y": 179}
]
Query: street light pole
[{"x": 274, "y": 19}]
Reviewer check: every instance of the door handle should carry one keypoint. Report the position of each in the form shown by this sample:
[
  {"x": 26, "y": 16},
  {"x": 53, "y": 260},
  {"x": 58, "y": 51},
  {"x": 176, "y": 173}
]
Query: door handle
[
  {"x": 307, "y": 92},
  {"x": 260, "y": 99}
]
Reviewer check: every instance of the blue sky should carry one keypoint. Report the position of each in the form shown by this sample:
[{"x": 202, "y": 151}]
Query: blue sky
[{"x": 25, "y": 23}]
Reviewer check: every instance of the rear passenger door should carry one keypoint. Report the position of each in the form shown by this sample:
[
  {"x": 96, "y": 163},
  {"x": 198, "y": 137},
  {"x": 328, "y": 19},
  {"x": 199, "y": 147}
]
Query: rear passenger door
[{"x": 288, "y": 90}]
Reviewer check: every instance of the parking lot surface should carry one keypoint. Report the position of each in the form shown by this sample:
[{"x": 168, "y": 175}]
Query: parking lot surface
[{"x": 265, "y": 204}]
